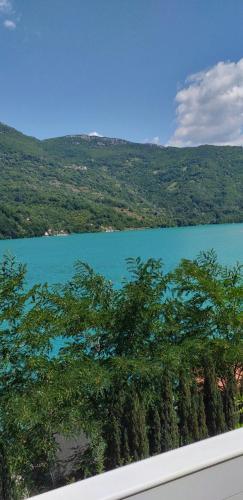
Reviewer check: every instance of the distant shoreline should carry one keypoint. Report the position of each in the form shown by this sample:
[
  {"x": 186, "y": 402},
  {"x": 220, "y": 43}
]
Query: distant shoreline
[{"x": 127, "y": 229}]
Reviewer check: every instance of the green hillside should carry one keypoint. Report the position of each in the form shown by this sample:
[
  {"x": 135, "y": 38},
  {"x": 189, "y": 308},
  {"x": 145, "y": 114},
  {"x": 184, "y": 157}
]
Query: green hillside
[{"x": 81, "y": 183}]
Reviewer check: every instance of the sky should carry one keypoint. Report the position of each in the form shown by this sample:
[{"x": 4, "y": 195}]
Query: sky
[{"x": 162, "y": 71}]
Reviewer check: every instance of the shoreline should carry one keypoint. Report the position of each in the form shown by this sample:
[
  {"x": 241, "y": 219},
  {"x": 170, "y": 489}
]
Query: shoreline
[{"x": 145, "y": 228}]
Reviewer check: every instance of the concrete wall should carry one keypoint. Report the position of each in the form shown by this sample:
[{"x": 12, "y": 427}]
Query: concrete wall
[
  {"x": 209, "y": 470},
  {"x": 220, "y": 482}
]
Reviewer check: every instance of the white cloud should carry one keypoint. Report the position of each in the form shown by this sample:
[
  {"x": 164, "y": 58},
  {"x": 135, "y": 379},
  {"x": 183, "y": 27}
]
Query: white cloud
[
  {"x": 155, "y": 140},
  {"x": 5, "y": 6},
  {"x": 95, "y": 134},
  {"x": 10, "y": 25},
  {"x": 210, "y": 107}
]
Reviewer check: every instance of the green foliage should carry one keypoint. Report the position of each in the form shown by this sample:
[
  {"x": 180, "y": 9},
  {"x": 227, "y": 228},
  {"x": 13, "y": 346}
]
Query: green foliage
[
  {"x": 239, "y": 409},
  {"x": 213, "y": 401},
  {"x": 125, "y": 448},
  {"x": 140, "y": 369},
  {"x": 113, "y": 443},
  {"x": 154, "y": 426},
  {"x": 136, "y": 426},
  {"x": 7, "y": 487},
  {"x": 85, "y": 184},
  {"x": 136, "y": 323},
  {"x": 202, "y": 425},
  {"x": 168, "y": 417},
  {"x": 229, "y": 394},
  {"x": 194, "y": 426},
  {"x": 184, "y": 408}
]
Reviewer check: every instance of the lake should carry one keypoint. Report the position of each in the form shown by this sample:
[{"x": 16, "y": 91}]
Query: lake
[{"x": 51, "y": 258}]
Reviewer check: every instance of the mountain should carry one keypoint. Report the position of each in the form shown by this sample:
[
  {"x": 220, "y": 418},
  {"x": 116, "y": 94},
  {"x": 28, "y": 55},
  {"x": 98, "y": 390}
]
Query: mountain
[{"x": 80, "y": 183}]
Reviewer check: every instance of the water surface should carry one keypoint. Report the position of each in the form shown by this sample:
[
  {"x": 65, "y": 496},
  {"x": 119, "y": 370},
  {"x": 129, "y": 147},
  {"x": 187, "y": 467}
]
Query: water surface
[{"x": 51, "y": 258}]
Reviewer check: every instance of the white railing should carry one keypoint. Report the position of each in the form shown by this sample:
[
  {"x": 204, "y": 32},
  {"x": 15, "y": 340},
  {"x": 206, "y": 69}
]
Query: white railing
[{"x": 209, "y": 470}]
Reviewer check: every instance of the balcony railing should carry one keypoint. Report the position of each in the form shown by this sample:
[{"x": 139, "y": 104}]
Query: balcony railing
[{"x": 208, "y": 470}]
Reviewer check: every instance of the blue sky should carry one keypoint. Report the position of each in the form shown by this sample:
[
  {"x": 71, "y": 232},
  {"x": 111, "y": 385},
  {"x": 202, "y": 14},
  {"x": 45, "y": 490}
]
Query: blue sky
[{"x": 116, "y": 67}]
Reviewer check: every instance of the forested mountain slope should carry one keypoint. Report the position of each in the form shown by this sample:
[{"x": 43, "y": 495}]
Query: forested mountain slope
[{"x": 80, "y": 183}]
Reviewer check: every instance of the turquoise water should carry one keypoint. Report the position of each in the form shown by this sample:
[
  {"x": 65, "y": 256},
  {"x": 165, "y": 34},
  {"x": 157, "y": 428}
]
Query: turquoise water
[{"x": 51, "y": 258}]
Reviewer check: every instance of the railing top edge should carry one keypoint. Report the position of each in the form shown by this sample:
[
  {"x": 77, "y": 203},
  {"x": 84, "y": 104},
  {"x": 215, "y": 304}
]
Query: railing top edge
[{"x": 140, "y": 476}]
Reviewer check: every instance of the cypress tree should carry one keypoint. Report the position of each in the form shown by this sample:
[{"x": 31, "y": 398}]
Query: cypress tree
[
  {"x": 154, "y": 426},
  {"x": 143, "y": 435},
  {"x": 210, "y": 398},
  {"x": 240, "y": 403},
  {"x": 184, "y": 408},
  {"x": 112, "y": 428},
  {"x": 229, "y": 401},
  {"x": 112, "y": 436},
  {"x": 202, "y": 425},
  {"x": 221, "y": 424},
  {"x": 125, "y": 451},
  {"x": 7, "y": 490},
  {"x": 132, "y": 426},
  {"x": 168, "y": 418},
  {"x": 194, "y": 428},
  {"x": 136, "y": 425},
  {"x": 213, "y": 401}
]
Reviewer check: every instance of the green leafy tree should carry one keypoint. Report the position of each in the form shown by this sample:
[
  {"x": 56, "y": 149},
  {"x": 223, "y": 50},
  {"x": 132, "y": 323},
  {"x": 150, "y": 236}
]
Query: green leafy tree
[
  {"x": 137, "y": 317},
  {"x": 125, "y": 371}
]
